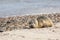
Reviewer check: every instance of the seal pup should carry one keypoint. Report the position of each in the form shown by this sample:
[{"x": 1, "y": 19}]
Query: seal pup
[{"x": 40, "y": 22}]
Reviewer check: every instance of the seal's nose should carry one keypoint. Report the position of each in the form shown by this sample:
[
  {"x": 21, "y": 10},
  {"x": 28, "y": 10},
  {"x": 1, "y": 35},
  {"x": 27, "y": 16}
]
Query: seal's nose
[{"x": 1, "y": 31}]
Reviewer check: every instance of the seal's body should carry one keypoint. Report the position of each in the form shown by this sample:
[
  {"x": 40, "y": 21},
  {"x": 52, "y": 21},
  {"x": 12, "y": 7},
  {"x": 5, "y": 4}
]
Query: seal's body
[
  {"x": 40, "y": 22},
  {"x": 44, "y": 21}
]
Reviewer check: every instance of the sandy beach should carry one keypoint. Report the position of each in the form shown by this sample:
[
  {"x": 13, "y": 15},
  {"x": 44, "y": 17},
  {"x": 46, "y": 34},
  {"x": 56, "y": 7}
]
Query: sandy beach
[{"x": 50, "y": 33}]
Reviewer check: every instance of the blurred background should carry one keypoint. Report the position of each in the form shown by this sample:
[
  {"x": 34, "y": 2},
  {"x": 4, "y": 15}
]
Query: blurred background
[{"x": 24, "y": 7}]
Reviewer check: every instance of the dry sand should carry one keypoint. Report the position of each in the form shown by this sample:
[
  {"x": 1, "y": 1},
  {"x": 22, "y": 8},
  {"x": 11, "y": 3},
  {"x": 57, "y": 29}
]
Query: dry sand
[{"x": 50, "y": 33}]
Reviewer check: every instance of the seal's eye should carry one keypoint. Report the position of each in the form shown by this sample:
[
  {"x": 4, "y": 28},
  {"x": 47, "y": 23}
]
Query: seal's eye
[
  {"x": 8, "y": 22},
  {"x": 30, "y": 22}
]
